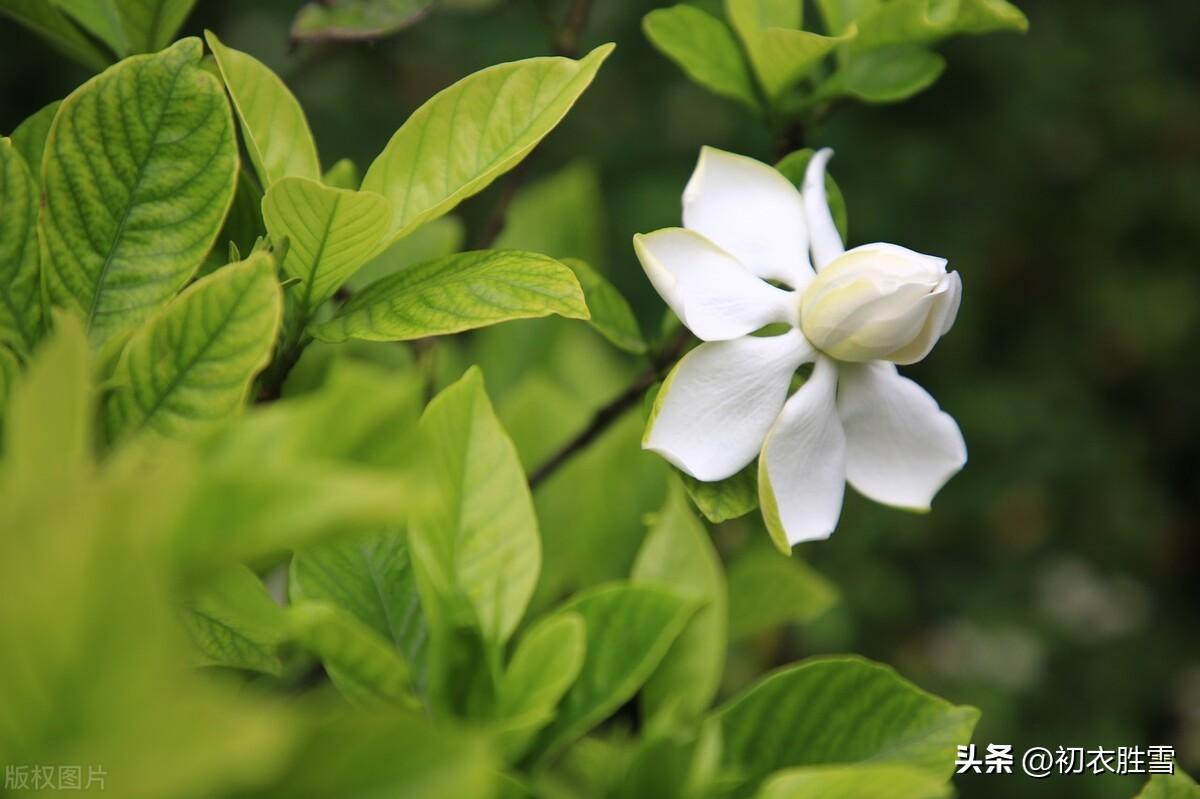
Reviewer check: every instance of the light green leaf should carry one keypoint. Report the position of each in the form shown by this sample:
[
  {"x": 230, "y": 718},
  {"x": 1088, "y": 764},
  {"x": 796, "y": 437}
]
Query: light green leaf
[
  {"x": 20, "y": 290},
  {"x": 273, "y": 124},
  {"x": 547, "y": 661},
  {"x": 767, "y": 589},
  {"x": 243, "y": 225},
  {"x": 704, "y": 48},
  {"x": 342, "y": 175},
  {"x": 467, "y": 135},
  {"x": 560, "y": 215},
  {"x": 610, "y": 313},
  {"x": 233, "y": 622},
  {"x": 456, "y": 293},
  {"x": 749, "y": 17},
  {"x": 629, "y": 630},
  {"x": 437, "y": 239},
  {"x": 924, "y": 22},
  {"x": 793, "y": 166},
  {"x": 191, "y": 367},
  {"x": 839, "y": 14},
  {"x": 331, "y": 233},
  {"x": 135, "y": 190},
  {"x": 839, "y": 711},
  {"x": 479, "y": 537},
  {"x": 356, "y": 19},
  {"x": 10, "y": 373},
  {"x": 359, "y": 661},
  {"x": 152, "y": 24},
  {"x": 884, "y": 75},
  {"x": 679, "y": 555},
  {"x": 1170, "y": 786},
  {"x": 861, "y": 781},
  {"x": 371, "y": 578},
  {"x": 780, "y": 53},
  {"x": 45, "y": 19},
  {"x": 725, "y": 499},
  {"x": 101, "y": 18},
  {"x": 30, "y": 137}
]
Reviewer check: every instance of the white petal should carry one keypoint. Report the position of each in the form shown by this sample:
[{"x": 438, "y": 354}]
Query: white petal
[
  {"x": 714, "y": 295},
  {"x": 826, "y": 241},
  {"x": 901, "y": 448},
  {"x": 802, "y": 469},
  {"x": 716, "y": 406},
  {"x": 751, "y": 211}
]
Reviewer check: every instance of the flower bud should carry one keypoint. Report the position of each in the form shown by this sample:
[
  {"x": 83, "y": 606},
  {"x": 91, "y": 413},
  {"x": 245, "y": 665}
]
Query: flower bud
[{"x": 880, "y": 302}]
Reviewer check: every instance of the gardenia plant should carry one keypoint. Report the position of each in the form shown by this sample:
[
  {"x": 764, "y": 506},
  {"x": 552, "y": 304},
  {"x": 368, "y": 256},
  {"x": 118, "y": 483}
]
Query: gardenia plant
[{"x": 740, "y": 268}]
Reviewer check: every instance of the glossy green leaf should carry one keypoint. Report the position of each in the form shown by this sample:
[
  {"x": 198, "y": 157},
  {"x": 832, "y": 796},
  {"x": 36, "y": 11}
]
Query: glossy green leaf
[
  {"x": 342, "y": 175},
  {"x": 30, "y": 137},
  {"x": 234, "y": 622},
  {"x": 360, "y": 662},
  {"x": 139, "y": 171},
  {"x": 456, "y": 293},
  {"x": 1170, "y": 786},
  {"x": 356, "y": 19},
  {"x": 780, "y": 53},
  {"x": 467, "y": 135},
  {"x": 20, "y": 290},
  {"x": 191, "y": 367},
  {"x": 480, "y": 532},
  {"x": 152, "y": 24},
  {"x": 44, "y": 18},
  {"x": 839, "y": 711},
  {"x": 274, "y": 127},
  {"x": 862, "y": 781},
  {"x": 371, "y": 578},
  {"x": 704, "y": 48},
  {"x": 437, "y": 239},
  {"x": 885, "y": 75},
  {"x": 545, "y": 664},
  {"x": 678, "y": 555},
  {"x": 725, "y": 499},
  {"x": 793, "y": 166},
  {"x": 630, "y": 628},
  {"x": 924, "y": 22},
  {"x": 330, "y": 233},
  {"x": 101, "y": 18},
  {"x": 767, "y": 589},
  {"x": 610, "y": 313}
]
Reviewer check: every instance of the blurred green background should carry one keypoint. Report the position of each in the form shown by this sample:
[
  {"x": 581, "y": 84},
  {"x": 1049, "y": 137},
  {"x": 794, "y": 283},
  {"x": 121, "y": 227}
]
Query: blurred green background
[{"x": 1055, "y": 585}]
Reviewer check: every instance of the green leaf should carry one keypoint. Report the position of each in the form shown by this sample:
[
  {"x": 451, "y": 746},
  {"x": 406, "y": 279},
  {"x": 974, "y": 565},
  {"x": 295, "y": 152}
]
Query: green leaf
[
  {"x": 437, "y": 239},
  {"x": 780, "y": 53},
  {"x": 767, "y": 589},
  {"x": 101, "y": 18},
  {"x": 191, "y": 367},
  {"x": 793, "y": 166},
  {"x": 273, "y": 124},
  {"x": 45, "y": 19},
  {"x": 359, "y": 661},
  {"x": 547, "y": 661},
  {"x": 356, "y": 19},
  {"x": 342, "y": 175},
  {"x": 135, "y": 189},
  {"x": 839, "y": 711},
  {"x": 233, "y": 622},
  {"x": 862, "y": 781},
  {"x": 884, "y": 75},
  {"x": 152, "y": 24},
  {"x": 725, "y": 499},
  {"x": 679, "y": 555},
  {"x": 20, "y": 290},
  {"x": 469, "y": 134},
  {"x": 30, "y": 138},
  {"x": 924, "y": 22},
  {"x": 10, "y": 373},
  {"x": 456, "y": 293},
  {"x": 479, "y": 537},
  {"x": 610, "y": 313},
  {"x": 243, "y": 225},
  {"x": 704, "y": 48},
  {"x": 560, "y": 215},
  {"x": 629, "y": 630},
  {"x": 1170, "y": 786},
  {"x": 751, "y": 16},
  {"x": 331, "y": 233},
  {"x": 370, "y": 577}
]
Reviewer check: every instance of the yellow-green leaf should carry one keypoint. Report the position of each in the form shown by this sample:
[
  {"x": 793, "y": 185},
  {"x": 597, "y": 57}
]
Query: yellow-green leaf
[
  {"x": 704, "y": 48},
  {"x": 30, "y": 137},
  {"x": 20, "y": 291}
]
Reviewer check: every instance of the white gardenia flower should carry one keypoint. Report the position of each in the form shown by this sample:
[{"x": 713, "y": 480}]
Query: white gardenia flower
[{"x": 742, "y": 262}]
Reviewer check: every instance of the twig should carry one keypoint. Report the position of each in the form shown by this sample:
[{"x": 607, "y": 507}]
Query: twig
[{"x": 616, "y": 408}]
